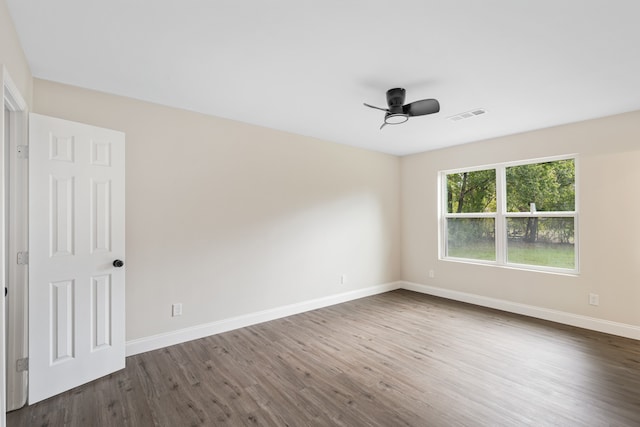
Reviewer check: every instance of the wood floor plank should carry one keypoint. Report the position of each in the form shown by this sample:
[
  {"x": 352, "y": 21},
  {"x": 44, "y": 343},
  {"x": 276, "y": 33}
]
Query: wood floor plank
[{"x": 395, "y": 359}]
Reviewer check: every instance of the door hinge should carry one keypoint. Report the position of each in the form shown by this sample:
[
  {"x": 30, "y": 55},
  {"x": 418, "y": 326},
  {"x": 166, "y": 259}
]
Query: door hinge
[
  {"x": 23, "y": 258},
  {"x": 22, "y": 364},
  {"x": 23, "y": 151}
]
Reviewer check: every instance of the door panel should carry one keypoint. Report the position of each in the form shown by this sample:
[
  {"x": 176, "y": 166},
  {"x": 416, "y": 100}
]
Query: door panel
[{"x": 76, "y": 231}]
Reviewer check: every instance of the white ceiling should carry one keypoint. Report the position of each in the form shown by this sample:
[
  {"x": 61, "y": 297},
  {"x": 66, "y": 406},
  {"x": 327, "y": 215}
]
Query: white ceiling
[{"x": 307, "y": 66}]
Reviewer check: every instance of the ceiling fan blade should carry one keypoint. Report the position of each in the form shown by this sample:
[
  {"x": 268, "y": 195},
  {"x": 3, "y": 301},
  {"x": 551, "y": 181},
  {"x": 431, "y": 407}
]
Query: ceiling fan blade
[
  {"x": 422, "y": 107},
  {"x": 377, "y": 108}
]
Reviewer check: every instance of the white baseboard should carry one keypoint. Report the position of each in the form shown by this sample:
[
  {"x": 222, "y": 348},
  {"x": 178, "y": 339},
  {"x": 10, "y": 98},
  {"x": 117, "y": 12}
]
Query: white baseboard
[
  {"x": 592, "y": 323},
  {"x": 155, "y": 342}
]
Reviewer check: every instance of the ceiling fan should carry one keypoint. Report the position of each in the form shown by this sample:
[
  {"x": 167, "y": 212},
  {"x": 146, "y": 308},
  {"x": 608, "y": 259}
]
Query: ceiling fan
[{"x": 399, "y": 113}]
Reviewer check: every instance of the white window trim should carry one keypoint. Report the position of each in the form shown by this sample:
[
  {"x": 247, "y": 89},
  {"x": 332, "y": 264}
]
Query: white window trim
[{"x": 500, "y": 217}]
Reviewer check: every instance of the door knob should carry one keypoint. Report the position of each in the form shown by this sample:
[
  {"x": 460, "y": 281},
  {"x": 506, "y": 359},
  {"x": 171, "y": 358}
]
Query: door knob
[{"x": 118, "y": 263}]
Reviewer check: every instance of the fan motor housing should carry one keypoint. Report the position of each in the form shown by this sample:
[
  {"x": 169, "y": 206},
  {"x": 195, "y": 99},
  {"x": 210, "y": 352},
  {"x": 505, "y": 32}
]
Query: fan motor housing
[{"x": 395, "y": 100}]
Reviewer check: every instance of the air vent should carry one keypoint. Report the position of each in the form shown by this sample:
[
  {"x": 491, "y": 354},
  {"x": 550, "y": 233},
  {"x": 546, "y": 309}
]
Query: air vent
[{"x": 468, "y": 115}]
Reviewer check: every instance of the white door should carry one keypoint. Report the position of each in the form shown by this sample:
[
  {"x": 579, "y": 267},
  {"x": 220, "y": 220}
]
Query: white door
[{"x": 76, "y": 234}]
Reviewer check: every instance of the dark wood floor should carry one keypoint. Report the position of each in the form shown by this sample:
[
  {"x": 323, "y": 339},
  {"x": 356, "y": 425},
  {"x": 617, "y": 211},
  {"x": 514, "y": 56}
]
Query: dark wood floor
[{"x": 396, "y": 359}]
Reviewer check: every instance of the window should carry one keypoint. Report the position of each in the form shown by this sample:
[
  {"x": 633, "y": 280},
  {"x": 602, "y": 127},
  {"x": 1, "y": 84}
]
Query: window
[{"x": 516, "y": 214}]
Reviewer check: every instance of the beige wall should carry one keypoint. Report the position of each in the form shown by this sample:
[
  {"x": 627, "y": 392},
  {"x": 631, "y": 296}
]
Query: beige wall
[
  {"x": 609, "y": 202},
  {"x": 229, "y": 218},
  {"x": 12, "y": 56}
]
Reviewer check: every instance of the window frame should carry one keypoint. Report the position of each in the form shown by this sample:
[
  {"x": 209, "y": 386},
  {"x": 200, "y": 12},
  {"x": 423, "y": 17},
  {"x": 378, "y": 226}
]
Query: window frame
[{"x": 501, "y": 216}]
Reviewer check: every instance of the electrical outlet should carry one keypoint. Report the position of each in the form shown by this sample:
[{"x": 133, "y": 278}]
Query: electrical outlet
[
  {"x": 432, "y": 274},
  {"x": 343, "y": 279},
  {"x": 176, "y": 309},
  {"x": 594, "y": 299}
]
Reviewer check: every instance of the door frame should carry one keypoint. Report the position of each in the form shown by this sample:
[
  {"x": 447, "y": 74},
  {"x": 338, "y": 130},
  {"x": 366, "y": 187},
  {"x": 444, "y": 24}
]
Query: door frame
[{"x": 15, "y": 343}]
